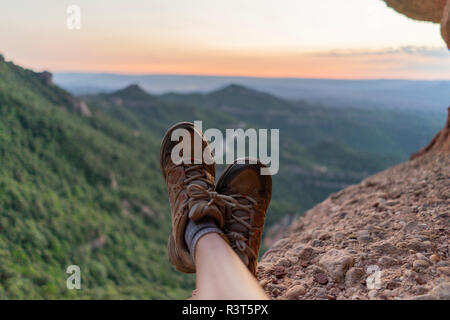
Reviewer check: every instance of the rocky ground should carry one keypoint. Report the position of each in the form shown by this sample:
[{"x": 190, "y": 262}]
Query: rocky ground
[{"x": 386, "y": 238}]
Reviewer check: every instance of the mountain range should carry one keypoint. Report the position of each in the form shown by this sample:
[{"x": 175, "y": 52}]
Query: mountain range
[{"x": 430, "y": 95}]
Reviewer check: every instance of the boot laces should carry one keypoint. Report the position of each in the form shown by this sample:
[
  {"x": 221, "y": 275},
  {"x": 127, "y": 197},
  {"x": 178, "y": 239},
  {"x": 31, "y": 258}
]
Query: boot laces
[
  {"x": 238, "y": 239},
  {"x": 233, "y": 203}
]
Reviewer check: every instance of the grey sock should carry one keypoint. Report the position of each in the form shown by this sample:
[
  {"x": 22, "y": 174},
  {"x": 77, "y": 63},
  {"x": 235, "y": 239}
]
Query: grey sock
[{"x": 196, "y": 230}]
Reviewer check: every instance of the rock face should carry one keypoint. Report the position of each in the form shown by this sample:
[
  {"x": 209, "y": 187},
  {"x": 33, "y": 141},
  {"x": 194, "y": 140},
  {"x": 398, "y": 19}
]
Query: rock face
[
  {"x": 428, "y": 10},
  {"x": 440, "y": 142},
  {"x": 386, "y": 238}
]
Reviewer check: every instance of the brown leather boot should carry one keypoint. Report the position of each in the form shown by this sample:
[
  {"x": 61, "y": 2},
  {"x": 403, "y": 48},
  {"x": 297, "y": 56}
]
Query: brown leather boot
[
  {"x": 191, "y": 192},
  {"x": 247, "y": 195}
]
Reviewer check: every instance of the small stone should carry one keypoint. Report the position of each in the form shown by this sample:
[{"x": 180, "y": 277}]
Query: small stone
[
  {"x": 275, "y": 292},
  {"x": 392, "y": 203},
  {"x": 401, "y": 245},
  {"x": 364, "y": 236},
  {"x": 408, "y": 273},
  {"x": 420, "y": 265},
  {"x": 335, "y": 292},
  {"x": 384, "y": 247},
  {"x": 390, "y": 293},
  {"x": 387, "y": 261},
  {"x": 372, "y": 294},
  {"x": 316, "y": 243},
  {"x": 293, "y": 260},
  {"x": 306, "y": 253},
  {"x": 442, "y": 264},
  {"x": 295, "y": 292},
  {"x": 284, "y": 262},
  {"x": 279, "y": 271},
  {"x": 354, "y": 276},
  {"x": 324, "y": 236},
  {"x": 420, "y": 279},
  {"x": 339, "y": 236},
  {"x": 444, "y": 270},
  {"x": 321, "y": 278},
  {"x": 420, "y": 256},
  {"x": 434, "y": 258},
  {"x": 410, "y": 227},
  {"x": 336, "y": 262},
  {"x": 420, "y": 245},
  {"x": 419, "y": 290},
  {"x": 392, "y": 285}
]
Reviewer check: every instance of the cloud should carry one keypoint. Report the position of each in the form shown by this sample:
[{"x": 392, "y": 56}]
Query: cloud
[{"x": 440, "y": 52}]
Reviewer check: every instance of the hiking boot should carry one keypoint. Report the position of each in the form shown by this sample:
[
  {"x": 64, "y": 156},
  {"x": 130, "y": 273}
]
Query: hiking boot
[
  {"x": 191, "y": 191},
  {"x": 247, "y": 195}
]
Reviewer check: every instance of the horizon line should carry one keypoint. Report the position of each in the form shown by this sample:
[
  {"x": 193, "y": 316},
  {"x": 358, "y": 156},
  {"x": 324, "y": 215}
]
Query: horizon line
[{"x": 241, "y": 76}]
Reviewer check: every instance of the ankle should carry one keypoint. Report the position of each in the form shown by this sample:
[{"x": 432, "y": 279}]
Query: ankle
[{"x": 196, "y": 230}]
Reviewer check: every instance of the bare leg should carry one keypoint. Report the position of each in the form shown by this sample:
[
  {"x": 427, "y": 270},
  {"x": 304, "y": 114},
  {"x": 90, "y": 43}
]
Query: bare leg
[{"x": 221, "y": 275}]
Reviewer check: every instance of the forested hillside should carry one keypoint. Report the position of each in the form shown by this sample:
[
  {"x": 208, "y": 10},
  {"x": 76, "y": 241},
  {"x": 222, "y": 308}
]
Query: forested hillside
[{"x": 78, "y": 190}]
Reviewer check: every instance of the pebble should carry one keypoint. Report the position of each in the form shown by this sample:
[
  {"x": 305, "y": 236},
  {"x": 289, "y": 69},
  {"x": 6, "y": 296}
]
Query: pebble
[
  {"x": 420, "y": 290},
  {"x": 434, "y": 258},
  {"x": 336, "y": 262},
  {"x": 354, "y": 276},
  {"x": 295, "y": 292},
  {"x": 339, "y": 236},
  {"x": 316, "y": 243},
  {"x": 364, "y": 236},
  {"x": 279, "y": 271},
  {"x": 293, "y": 260},
  {"x": 421, "y": 257},
  {"x": 372, "y": 294},
  {"x": 393, "y": 284},
  {"x": 444, "y": 270},
  {"x": 411, "y": 227},
  {"x": 306, "y": 253},
  {"x": 321, "y": 278},
  {"x": 387, "y": 261},
  {"x": 420, "y": 265},
  {"x": 284, "y": 262},
  {"x": 420, "y": 245},
  {"x": 420, "y": 279}
]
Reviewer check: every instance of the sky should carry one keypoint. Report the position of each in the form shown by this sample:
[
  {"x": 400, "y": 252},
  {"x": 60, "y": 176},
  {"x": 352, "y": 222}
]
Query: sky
[{"x": 351, "y": 39}]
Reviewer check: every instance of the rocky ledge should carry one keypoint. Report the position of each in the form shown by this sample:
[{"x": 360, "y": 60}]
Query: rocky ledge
[{"x": 385, "y": 238}]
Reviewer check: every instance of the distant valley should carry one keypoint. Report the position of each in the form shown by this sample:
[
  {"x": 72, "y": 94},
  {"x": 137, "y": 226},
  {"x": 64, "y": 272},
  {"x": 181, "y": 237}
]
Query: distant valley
[{"x": 392, "y": 94}]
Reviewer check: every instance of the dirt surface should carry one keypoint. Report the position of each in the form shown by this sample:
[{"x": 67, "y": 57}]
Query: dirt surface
[{"x": 385, "y": 238}]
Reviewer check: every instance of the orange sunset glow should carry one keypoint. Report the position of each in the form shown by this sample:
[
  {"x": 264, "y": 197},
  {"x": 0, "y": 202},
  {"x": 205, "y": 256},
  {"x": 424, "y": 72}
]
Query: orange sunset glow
[{"x": 261, "y": 39}]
